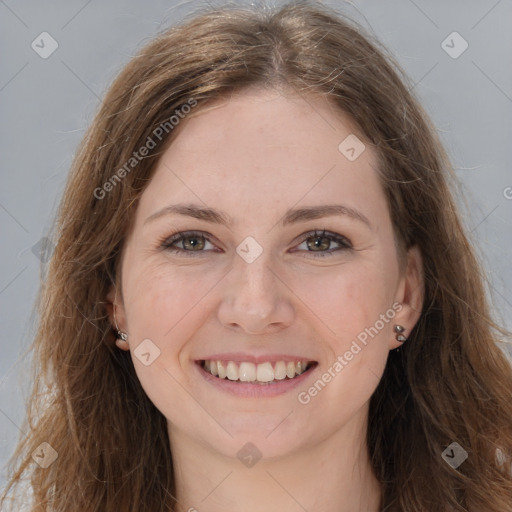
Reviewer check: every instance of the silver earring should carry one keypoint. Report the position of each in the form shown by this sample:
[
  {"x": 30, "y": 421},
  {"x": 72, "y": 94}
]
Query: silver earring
[
  {"x": 399, "y": 329},
  {"x": 122, "y": 335}
]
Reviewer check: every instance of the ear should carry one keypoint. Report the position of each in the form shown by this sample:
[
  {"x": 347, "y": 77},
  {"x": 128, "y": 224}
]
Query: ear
[
  {"x": 116, "y": 315},
  {"x": 410, "y": 294}
]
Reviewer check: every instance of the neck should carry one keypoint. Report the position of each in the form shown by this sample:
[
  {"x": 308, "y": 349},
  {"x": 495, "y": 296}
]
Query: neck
[{"x": 333, "y": 475}]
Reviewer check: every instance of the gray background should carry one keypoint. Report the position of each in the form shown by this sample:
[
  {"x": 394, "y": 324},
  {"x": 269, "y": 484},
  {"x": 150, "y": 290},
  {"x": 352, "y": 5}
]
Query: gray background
[{"x": 46, "y": 105}]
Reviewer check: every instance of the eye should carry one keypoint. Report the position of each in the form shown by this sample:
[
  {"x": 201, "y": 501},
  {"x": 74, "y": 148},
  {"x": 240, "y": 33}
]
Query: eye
[
  {"x": 320, "y": 243},
  {"x": 186, "y": 242},
  {"x": 190, "y": 242}
]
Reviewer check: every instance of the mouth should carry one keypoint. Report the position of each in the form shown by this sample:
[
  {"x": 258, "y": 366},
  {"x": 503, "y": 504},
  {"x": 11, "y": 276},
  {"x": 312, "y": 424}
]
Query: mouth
[{"x": 264, "y": 373}]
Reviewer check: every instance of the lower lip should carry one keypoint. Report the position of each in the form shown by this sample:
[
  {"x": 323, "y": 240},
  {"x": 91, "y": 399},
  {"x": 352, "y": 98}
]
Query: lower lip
[{"x": 252, "y": 390}]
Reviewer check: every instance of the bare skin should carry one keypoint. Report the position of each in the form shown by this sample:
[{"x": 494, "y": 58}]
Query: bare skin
[{"x": 254, "y": 157}]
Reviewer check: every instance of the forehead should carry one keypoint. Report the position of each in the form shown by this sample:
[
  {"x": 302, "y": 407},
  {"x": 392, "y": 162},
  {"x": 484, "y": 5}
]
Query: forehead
[{"x": 267, "y": 149}]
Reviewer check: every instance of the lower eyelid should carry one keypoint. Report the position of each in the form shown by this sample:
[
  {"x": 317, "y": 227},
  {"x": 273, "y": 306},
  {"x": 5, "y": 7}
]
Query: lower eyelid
[{"x": 341, "y": 247}]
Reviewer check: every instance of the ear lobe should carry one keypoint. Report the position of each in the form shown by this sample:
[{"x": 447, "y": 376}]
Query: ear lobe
[
  {"x": 116, "y": 315},
  {"x": 410, "y": 294}
]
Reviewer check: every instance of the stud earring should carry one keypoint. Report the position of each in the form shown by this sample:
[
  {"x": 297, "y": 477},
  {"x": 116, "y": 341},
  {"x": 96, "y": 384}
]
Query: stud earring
[
  {"x": 399, "y": 329},
  {"x": 122, "y": 335}
]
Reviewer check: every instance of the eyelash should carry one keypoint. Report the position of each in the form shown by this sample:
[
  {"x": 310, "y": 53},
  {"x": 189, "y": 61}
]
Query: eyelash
[{"x": 167, "y": 242}]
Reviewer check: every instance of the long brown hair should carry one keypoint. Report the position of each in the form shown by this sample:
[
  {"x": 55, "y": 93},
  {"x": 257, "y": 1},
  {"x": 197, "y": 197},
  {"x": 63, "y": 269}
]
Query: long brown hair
[{"x": 450, "y": 382}]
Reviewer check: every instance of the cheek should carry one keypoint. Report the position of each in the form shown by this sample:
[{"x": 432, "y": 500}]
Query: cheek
[
  {"x": 167, "y": 306},
  {"x": 161, "y": 300},
  {"x": 350, "y": 306},
  {"x": 349, "y": 300},
  {"x": 163, "y": 305}
]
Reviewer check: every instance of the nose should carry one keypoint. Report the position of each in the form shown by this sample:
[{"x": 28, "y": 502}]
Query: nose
[{"x": 256, "y": 297}]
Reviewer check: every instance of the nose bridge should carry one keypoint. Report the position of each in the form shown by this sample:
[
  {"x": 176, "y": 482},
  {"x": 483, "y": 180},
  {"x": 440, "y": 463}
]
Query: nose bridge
[
  {"x": 254, "y": 297},
  {"x": 255, "y": 280}
]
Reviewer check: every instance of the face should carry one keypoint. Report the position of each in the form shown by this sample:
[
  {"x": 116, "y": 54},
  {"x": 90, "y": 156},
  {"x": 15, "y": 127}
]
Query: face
[{"x": 231, "y": 258}]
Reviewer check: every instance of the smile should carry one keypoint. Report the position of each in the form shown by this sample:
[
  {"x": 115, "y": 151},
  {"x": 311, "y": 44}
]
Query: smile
[{"x": 262, "y": 373}]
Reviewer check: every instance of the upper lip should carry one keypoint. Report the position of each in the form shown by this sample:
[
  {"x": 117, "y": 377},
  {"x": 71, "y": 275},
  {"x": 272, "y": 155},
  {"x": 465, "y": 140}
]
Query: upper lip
[{"x": 240, "y": 357}]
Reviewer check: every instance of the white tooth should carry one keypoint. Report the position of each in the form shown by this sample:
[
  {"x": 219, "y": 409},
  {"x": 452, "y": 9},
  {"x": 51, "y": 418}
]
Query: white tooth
[
  {"x": 213, "y": 368},
  {"x": 280, "y": 370},
  {"x": 232, "y": 371},
  {"x": 207, "y": 365},
  {"x": 221, "y": 370},
  {"x": 264, "y": 372},
  {"x": 298, "y": 368},
  {"x": 290, "y": 370},
  {"x": 247, "y": 372}
]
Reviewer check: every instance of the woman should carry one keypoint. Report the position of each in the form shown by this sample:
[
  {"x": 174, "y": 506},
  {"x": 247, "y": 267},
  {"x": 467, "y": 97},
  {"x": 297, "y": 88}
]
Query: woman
[{"x": 262, "y": 297}]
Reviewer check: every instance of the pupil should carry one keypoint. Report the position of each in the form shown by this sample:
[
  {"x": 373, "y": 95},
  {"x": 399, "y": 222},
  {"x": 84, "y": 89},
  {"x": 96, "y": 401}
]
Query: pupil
[
  {"x": 192, "y": 242},
  {"x": 318, "y": 244}
]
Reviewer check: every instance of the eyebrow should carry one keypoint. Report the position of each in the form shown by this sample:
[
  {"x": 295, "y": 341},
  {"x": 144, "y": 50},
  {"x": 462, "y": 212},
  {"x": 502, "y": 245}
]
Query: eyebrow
[{"x": 292, "y": 216}]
